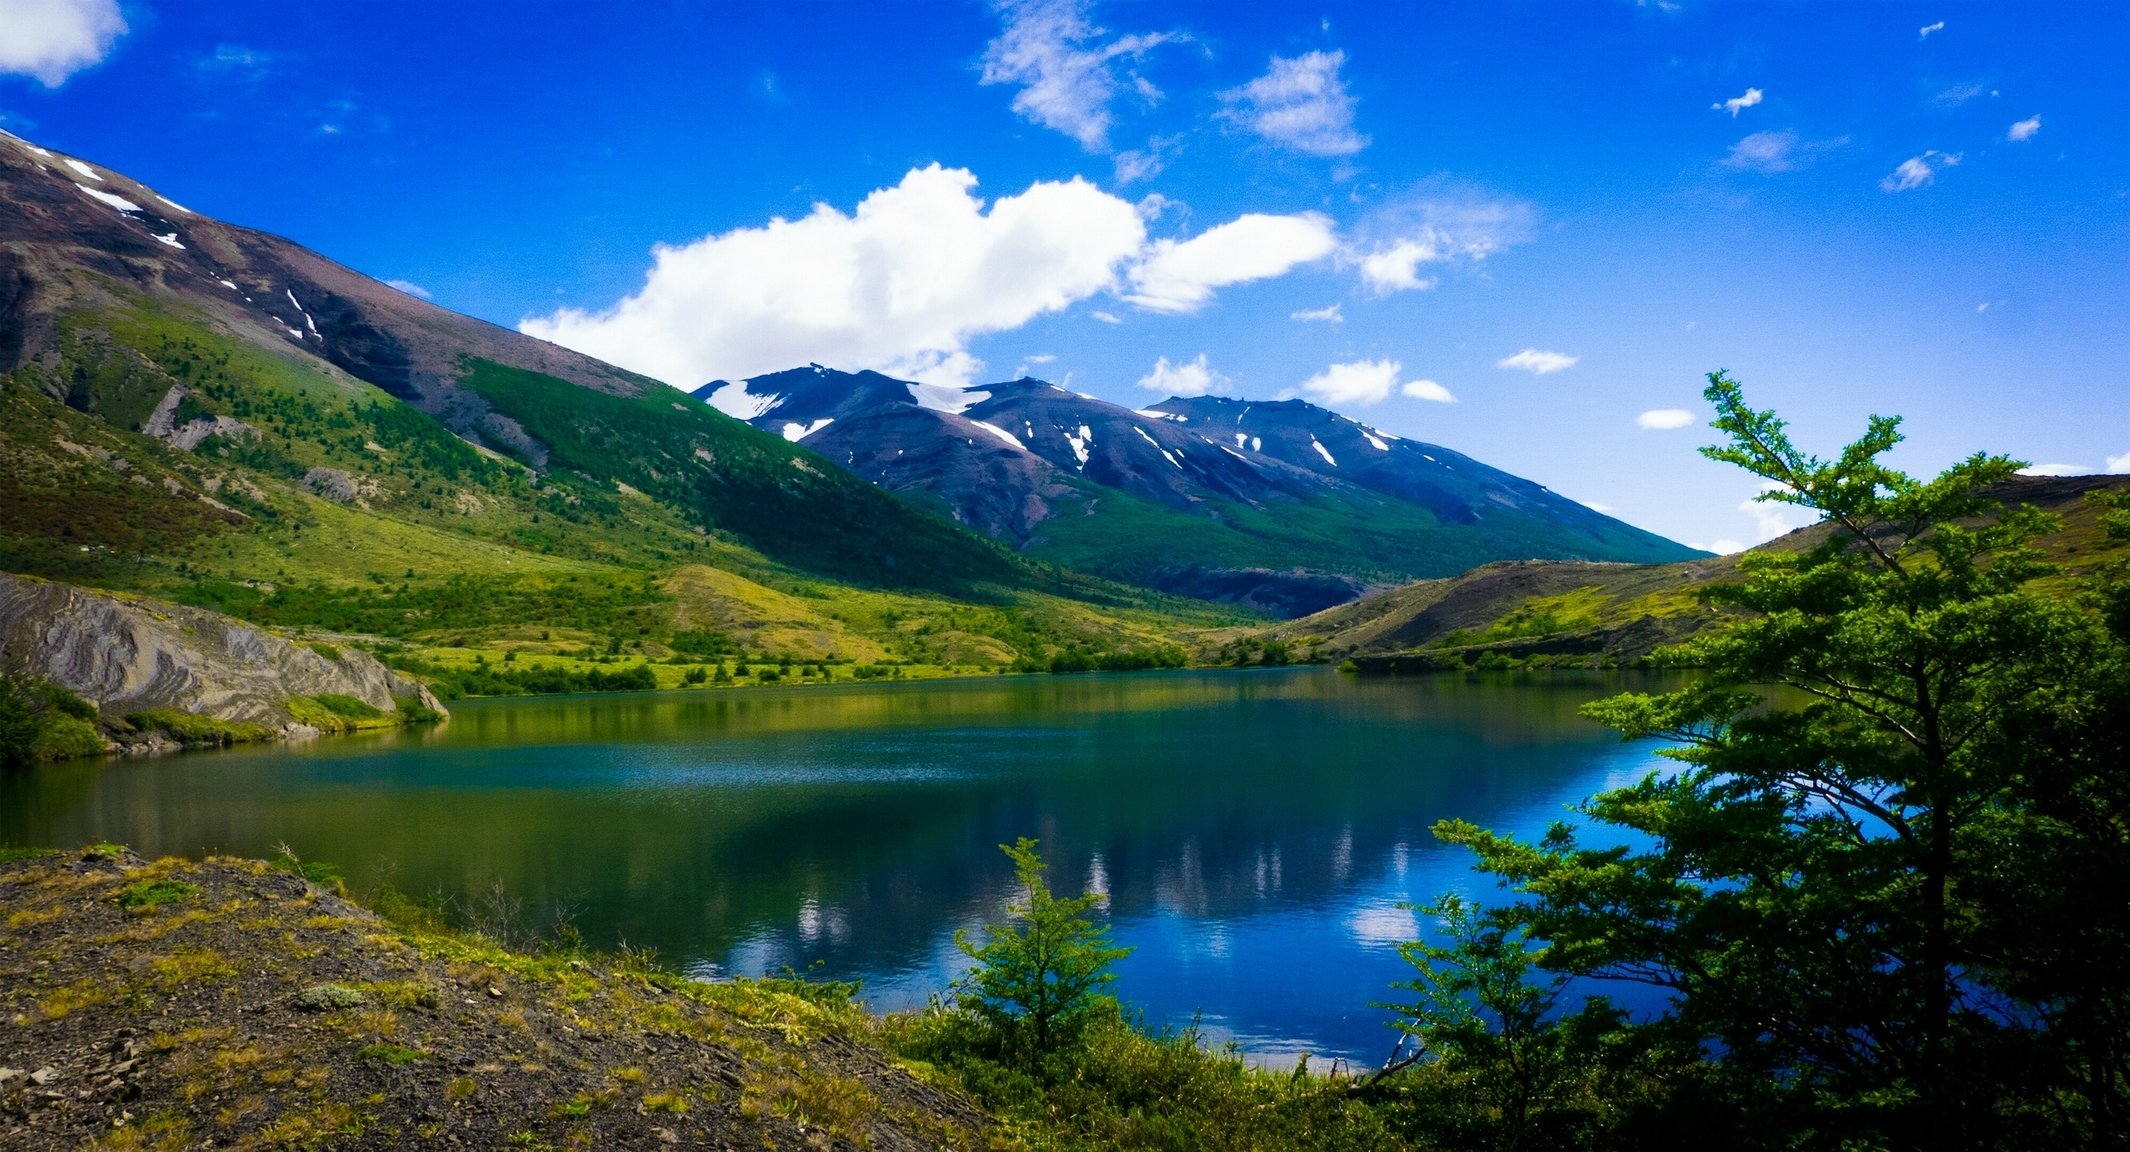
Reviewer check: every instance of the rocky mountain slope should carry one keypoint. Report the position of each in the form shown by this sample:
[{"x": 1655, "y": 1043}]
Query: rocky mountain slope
[
  {"x": 134, "y": 655},
  {"x": 1573, "y": 612},
  {"x": 1283, "y": 505}
]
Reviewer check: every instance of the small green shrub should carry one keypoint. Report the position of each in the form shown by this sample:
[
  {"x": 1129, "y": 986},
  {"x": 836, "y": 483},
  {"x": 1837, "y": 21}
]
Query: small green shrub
[
  {"x": 1037, "y": 982},
  {"x": 391, "y": 1054},
  {"x": 155, "y": 894},
  {"x": 40, "y": 721}
]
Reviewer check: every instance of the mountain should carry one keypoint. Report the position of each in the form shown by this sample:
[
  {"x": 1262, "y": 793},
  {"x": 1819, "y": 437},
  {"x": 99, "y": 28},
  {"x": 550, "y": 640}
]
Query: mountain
[
  {"x": 1281, "y": 505},
  {"x": 1574, "y": 612},
  {"x": 219, "y": 417}
]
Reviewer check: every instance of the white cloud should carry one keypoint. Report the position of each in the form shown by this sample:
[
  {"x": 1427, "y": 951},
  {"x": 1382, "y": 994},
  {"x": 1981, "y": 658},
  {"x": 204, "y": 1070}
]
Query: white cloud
[
  {"x": 1362, "y": 382},
  {"x": 1723, "y": 547},
  {"x": 899, "y": 285},
  {"x": 2119, "y": 465},
  {"x": 410, "y": 288},
  {"x": 1924, "y": 32},
  {"x": 1664, "y": 418},
  {"x": 2059, "y": 469},
  {"x": 1427, "y": 390},
  {"x": 1764, "y": 152},
  {"x": 1066, "y": 70},
  {"x": 1538, "y": 362},
  {"x": 1772, "y": 518},
  {"x": 2025, "y": 129},
  {"x": 1737, "y": 104},
  {"x": 1958, "y": 94},
  {"x": 1300, "y": 102},
  {"x": 1107, "y": 317},
  {"x": 1189, "y": 378},
  {"x": 1180, "y": 276},
  {"x": 1329, "y": 314},
  {"x": 1395, "y": 241},
  {"x": 1916, "y": 171},
  {"x": 1777, "y": 151},
  {"x": 1146, "y": 163},
  {"x": 53, "y": 39},
  {"x": 1042, "y": 358}
]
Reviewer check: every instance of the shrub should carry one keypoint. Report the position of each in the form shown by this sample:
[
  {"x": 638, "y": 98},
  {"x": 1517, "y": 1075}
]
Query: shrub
[
  {"x": 40, "y": 721},
  {"x": 1038, "y": 982},
  {"x": 155, "y": 894}
]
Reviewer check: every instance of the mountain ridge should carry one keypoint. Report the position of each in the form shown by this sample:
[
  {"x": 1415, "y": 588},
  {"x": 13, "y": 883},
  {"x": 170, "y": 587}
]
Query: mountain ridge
[{"x": 1030, "y": 463}]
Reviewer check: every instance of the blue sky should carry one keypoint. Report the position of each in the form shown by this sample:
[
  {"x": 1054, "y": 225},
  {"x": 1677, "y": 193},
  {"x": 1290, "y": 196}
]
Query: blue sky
[{"x": 1523, "y": 231}]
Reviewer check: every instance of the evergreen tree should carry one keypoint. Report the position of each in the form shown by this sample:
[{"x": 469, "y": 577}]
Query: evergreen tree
[{"x": 1854, "y": 885}]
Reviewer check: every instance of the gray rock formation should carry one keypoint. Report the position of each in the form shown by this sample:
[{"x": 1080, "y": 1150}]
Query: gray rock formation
[{"x": 133, "y": 654}]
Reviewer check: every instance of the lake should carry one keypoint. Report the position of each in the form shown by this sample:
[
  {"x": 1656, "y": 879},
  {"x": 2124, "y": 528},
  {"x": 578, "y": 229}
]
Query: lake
[{"x": 1254, "y": 831}]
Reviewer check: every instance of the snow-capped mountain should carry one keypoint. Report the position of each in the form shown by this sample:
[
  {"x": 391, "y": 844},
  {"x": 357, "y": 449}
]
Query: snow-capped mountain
[{"x": 1281, "y": 504}]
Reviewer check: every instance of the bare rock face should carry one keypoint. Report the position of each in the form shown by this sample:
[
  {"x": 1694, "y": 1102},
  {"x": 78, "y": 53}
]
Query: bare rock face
[{"x": 135, "y": 654}]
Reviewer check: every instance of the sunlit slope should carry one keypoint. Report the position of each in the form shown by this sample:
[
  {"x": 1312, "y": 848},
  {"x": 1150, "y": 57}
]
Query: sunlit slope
[{"x": 1577, "y": 612}]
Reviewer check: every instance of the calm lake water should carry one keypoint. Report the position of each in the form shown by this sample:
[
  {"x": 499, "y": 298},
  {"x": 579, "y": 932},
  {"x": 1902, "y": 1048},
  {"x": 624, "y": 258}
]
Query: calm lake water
[{"x": 1255, "y": 831}]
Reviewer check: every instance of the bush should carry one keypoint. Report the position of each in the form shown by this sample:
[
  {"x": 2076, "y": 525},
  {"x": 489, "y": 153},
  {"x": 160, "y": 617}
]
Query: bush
[
  {"x": 1036, "y": 984},
  {"x": 192, "y": 729},
  {"x": 40, "y": 721}
]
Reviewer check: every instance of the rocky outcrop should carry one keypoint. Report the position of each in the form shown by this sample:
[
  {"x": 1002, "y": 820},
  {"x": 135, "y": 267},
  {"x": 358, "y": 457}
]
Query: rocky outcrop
[{"x": 134, "y": 654}]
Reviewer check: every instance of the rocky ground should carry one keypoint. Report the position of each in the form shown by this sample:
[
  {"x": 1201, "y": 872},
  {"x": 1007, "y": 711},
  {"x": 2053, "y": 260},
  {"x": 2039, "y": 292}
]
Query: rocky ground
[{"x": 232, "y": 1004}]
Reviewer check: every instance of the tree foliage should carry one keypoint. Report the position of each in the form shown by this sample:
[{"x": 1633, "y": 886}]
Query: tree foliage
[
  {"x": 1038, "y": 979},
  {"x": 1885, "y": 887}
]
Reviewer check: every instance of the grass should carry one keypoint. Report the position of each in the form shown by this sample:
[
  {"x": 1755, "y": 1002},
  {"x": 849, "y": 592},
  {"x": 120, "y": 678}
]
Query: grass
[
  {"x": 154, "y": 894},
  {"x": 193, "y": 729}
]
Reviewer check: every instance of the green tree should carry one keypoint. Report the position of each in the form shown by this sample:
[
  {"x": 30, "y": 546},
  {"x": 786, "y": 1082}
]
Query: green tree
[
  {"x": 1826, "y": 883},
  {"x": 1517, "y": 1076},
  {"x": 40, "y": 721},
  {"x": 1038, "y": 980}
]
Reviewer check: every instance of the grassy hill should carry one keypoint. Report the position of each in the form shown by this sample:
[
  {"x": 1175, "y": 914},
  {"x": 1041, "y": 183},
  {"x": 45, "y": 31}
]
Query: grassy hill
[{"x": 1541, "y": 613}]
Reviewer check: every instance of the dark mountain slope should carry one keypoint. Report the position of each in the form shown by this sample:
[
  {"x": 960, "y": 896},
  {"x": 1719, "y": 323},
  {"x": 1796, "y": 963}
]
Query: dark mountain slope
[{"x": 1285, "y": 506}]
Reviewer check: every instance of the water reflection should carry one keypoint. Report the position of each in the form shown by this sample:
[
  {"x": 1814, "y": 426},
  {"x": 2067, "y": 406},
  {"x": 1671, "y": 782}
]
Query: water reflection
[{"x": 1254, "y": 832}]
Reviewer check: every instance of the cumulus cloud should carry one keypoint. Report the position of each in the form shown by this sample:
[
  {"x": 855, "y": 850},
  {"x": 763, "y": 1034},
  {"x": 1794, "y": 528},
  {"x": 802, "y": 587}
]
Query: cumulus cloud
[
  {"x": 1737, "y": 104},
  {"x": 1187, "y": 378},
  {"x": 1329, "y": 314},
  {"x": 1066, "y": 66},
  {"x": 1300, "y": 103},
  {"x": 53, "y": 39},
  {"x": 1538, "y": 362},
  {"x": 1924, "y": 32},
  {"x": 1392, "y": 244},
  {"x": 1362, "y": 382},
  {"x": 899, "y": 285},
  {"x": 1664, "y": 418},
  {"x": 2058, "y": 469},
  {"x": 2025, "y": 129},
  {"x": 1180, "y": 276},
  {"x": 1107, "y": 317},
  {"x": 410, "y": 288},
  {"x": 2119, "y": 465},
  {"x": 1916, "y": 171},
  {"x": 1427, "y": 390}
]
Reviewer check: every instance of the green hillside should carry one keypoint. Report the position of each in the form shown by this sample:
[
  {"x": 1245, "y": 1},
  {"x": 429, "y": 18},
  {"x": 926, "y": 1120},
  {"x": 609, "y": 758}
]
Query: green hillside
[{"x": 153, "y": 449}]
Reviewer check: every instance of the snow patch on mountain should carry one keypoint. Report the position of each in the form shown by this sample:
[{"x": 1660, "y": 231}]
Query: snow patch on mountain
[
  {"x": 1322, "y": 451},
  {"x": 736, "y": 401},
  {"x": 997, "y": 431},
  {"x": 115, "y": 201},
  {"x": 85, "y": 170},
  {"x": 949, "y": 398},
  {"x": 795, "y": 431}
]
